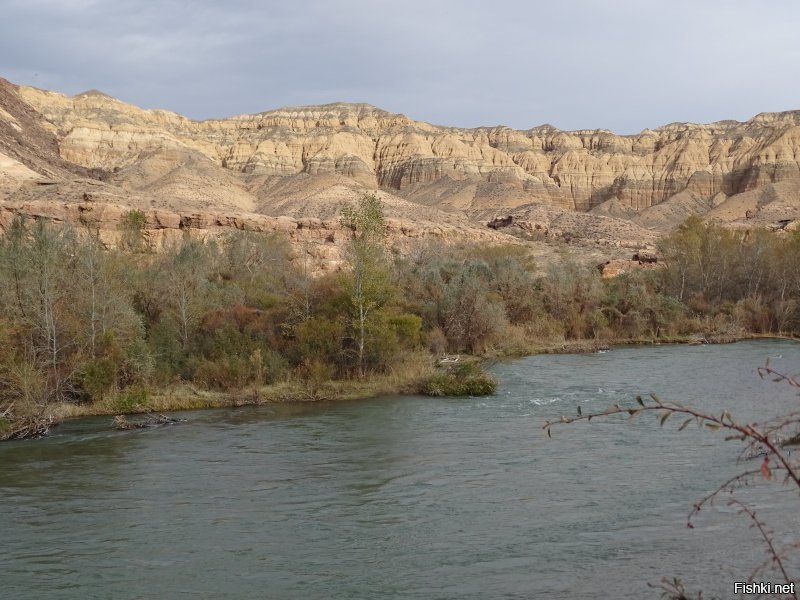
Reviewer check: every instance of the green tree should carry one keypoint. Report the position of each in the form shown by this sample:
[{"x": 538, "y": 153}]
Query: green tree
[{"x": 368, "y": 282}]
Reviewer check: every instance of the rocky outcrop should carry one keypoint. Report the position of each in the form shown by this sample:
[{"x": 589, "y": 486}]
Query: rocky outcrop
[
  {"x": 27, "y": 138},
  {"x": 317, "y": 244},
  {"x": 88, "y": 159},
  {"x": 460, "y": 168},
  {"x": 643, "y": 260},
  {"x": 545, "y": 223}
]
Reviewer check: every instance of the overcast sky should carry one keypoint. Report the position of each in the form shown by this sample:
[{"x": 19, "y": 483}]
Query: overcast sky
[{"x": 616, "y": 64}]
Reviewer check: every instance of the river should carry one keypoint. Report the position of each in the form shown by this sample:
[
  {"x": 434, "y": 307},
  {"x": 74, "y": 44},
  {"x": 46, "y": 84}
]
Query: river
[{"x": 404, "y": 497}]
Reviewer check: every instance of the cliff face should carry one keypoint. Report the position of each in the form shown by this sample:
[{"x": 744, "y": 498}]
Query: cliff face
[
  {"x": 479, "y": 168},
  {"x": 88, "y": 159},
  {"x": 317, "y": 245}
]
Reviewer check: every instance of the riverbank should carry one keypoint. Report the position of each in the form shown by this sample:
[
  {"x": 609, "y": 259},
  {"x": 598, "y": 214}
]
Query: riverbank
[
  {"x": 597, "y": 345},
  {"x": 410, "y": 377}
]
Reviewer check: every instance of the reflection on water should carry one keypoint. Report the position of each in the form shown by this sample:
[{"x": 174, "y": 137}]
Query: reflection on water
[{"x": 399, "y": 497}]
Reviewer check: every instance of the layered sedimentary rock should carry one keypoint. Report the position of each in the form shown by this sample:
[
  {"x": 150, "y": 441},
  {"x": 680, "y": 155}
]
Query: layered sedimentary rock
[
  {"x": 88, "y": 159},
  {"x": 544, "y": 223},
  {"x": 318, "y": 244},
  {"x": 575, "y": 170}
]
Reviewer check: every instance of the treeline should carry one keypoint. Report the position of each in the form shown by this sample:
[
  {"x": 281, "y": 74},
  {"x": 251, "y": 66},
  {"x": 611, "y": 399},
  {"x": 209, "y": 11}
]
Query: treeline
[
  {"x": 83, "y": 324},
  {"x": 745, "y": 281}
]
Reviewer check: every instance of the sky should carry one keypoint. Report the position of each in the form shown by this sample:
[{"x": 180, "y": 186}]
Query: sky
[{"x": 623, "y": 65}]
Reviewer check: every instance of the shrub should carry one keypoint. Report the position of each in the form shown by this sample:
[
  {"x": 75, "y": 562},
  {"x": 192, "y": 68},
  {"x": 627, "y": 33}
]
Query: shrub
[
  {"x": 466, "y": 379},
  {"x": 229, "y": 372},
  {"x": 314, "y": 375},
  {"x": 408, "y": 328},
  {"x": 97, "y": 377},
  {"x": 132, "y": 227},
  {"x": 319, "y": 339},
  {"x": 132, "y": 399},
  {"x": 437, "y": 341}
]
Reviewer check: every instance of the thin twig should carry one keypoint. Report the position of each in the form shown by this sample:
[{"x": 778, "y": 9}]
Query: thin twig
[
  {"x": 777, "y": 376},
  {"x": 722, "y": 422},
  {"x": 7, "y": 411},
  {"x": 727, "y": 486},
  {"x": 772, "y": 551}
]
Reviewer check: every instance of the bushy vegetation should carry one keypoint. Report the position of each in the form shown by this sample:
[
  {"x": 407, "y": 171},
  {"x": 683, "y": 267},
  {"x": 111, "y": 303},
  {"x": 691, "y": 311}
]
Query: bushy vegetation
[
  {"x": 80, "y": 323},
  {"x": 465, "y": 379}
]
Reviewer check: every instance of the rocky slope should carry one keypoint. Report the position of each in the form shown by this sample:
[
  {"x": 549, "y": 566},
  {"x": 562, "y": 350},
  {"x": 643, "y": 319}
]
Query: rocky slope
[
  {"x": 575, "y": 170},
  {"x": 306, "y": 162}
]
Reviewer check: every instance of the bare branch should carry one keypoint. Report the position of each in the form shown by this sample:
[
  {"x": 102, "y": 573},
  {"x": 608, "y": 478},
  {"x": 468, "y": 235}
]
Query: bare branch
[
  {"x": 724, "y": 421},
  {"x": 772, "y": 551},
  {"x": 7, "y": 411},
  {"x": 673, "y": 589},
  {"x": 729, "y": 486},
  {"x": 764, "y": 440}
]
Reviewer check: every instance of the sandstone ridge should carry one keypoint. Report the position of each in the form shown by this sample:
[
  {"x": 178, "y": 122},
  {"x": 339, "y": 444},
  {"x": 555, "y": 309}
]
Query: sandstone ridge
[
  {"x": 575, "y": 170},
  {"x": 305, "y": 163}
]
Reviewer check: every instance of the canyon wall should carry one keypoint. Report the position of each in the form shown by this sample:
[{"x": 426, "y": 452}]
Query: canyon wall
[{"x": 505, "y": 168}]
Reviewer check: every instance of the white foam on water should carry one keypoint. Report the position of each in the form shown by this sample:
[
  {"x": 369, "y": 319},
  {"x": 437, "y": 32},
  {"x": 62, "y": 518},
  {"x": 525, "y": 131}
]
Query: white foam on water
[{"x": 545, "y": 401}]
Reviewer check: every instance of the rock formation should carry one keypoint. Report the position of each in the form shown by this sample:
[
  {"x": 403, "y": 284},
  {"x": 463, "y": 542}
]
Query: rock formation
[
  {"x": 576, "y": 170},
  {"x": 306, "y": 162}
]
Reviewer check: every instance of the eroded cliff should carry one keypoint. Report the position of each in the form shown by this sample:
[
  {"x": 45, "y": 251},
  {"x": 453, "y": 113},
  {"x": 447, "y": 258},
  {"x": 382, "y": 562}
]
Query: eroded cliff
[
  {"x": 574, "y": 170},
  {"x": 89, "y": 158}
]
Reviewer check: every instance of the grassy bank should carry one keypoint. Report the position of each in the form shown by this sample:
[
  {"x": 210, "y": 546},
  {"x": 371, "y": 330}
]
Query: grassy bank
[
  {"x": 417, "y": 373},
  {"x": 188, "y": 397},
  {"x": 413, "y": 376},
  {"x": 594, "y": 345},
  {"x": 410, "y": 376}
]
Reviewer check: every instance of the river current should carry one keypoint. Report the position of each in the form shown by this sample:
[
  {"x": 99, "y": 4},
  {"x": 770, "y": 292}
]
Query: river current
[{"x": 405, "y": 497}]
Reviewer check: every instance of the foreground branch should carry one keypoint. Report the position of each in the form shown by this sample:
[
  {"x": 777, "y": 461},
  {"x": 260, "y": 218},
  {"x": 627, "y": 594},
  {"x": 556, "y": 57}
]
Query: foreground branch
[
  {"x": 739, "y": 431},
  {"x": 772, "y": 551},
  {"x": 766, "y": 440}
]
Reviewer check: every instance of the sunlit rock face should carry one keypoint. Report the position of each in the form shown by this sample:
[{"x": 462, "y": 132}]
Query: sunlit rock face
[
  {"x": 89, "y": 159},
  {"x": 575, "y": 170}
]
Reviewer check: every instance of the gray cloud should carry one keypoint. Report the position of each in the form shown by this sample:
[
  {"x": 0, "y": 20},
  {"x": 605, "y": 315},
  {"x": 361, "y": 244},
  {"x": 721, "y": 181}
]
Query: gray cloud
[{"x": 619, "y": 64}]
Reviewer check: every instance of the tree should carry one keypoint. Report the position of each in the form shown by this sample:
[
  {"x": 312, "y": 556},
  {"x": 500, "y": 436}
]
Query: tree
[
  {"x": 571, "y": 294},
  {"x": 102, "y": 295},
  {"x": 368, "y": 283},
  {"x": 683, "y": 255},
  {"x": 186, "y": 284},
  {"x": 39, "y": 261},
  {"x": 257, "y": 264},
  {"x": 471, "y": 318}
]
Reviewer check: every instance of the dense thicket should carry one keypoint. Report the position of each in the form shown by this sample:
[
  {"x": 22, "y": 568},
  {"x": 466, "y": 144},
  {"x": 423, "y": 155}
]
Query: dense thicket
[{"x": 80, "y": 323}]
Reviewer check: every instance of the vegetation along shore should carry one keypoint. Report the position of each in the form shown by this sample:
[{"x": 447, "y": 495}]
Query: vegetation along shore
[{"x": 86, "y": 330}]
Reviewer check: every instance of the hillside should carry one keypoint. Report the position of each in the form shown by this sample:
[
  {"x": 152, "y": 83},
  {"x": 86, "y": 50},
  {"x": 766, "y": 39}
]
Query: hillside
[{"x": 91, "y": 157}]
